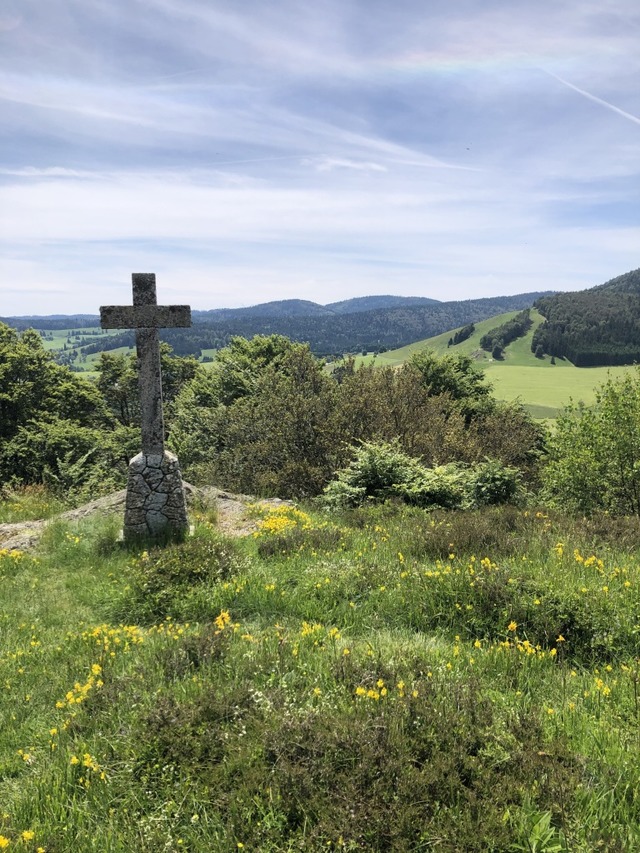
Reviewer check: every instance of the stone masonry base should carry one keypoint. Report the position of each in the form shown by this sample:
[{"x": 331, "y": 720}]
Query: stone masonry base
[{"x": 156, "y": 506}]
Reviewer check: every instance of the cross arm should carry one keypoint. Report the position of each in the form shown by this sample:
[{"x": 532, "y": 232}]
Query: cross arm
[{"x": 145, "y": 316}]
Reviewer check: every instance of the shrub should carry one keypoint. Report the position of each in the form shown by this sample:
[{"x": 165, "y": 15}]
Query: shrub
[
  {"x": 593, "y": 453},
  {"x": 382, "y": 471},
  {"x": 441, "y": 767},
  {"x": 500, "y": 531},
  {"x": 374, "y": 474}
]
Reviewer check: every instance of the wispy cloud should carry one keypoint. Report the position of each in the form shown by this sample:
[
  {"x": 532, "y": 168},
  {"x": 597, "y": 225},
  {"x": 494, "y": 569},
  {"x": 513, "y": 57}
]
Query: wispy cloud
[
  {"x": 254, "y": 151},
  {"x": 594, "y": 98},
  {"x": 328, "y": 164}
]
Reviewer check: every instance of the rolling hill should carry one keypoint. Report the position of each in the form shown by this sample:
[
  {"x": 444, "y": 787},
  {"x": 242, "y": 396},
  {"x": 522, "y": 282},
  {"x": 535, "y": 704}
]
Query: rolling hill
[
  {"x": 542, "y": 386},
  {"x": 350, "y": 326},
  {"x": 595, "y": 327}
]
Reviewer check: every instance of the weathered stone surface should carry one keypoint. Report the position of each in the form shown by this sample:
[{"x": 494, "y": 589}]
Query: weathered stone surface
[
  {"x": 138, "y": 484},
  {"x": 153, "y": 477},
  {"x": 155, "y": 505},
  {"x": 134, "y": 501},
  {"x": 175, "y": 499},
  {"x": 137, "y": 464},
  {"x": 156, "y": 523},
  {"x": 156, "y": 501}
]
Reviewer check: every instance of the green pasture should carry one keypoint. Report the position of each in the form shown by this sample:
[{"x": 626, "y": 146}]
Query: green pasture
[
  {"x": 536, "y": 387},
  {"x": 55, "y": 339},
  {"x": 543, "y": 388}
]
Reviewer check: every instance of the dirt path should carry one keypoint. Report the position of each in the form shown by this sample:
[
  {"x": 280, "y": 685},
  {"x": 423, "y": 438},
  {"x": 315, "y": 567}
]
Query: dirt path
[{"x": 232, "y": 515}]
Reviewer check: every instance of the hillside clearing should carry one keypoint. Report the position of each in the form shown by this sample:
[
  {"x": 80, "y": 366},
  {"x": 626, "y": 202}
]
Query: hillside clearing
[{"x": 543, "y": 388}]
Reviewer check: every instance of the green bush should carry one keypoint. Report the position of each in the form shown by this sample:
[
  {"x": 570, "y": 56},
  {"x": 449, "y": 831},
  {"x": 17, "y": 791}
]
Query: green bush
[
  {"x": 374, "y": 474},
  {"x": 382, "y": 471},
  {"x": 593, "y": 454},
  {"x": 442, "y": 767}
]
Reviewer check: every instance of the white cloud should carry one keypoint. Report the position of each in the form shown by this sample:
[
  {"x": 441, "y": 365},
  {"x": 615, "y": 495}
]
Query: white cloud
[
  {"x": 254, "y": 151},
  {"x": 329, "y": 164}
]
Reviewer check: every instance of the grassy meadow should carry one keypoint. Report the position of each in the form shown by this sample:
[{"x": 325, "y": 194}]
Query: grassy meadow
[
  {"x": 542, "y": 387},
  {"x": 54, "y": 340},
  {"x": 385, "y": 679}
]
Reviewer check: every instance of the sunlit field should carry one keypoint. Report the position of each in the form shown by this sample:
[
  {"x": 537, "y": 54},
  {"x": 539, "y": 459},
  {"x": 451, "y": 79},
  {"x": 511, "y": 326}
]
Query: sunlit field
[
  {"x": 380, "y": 679},
  {"x": 544, "y": 388}
]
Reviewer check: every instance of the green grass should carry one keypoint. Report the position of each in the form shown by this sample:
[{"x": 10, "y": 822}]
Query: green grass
[
  {"x": 542, "y": 387},
  {"x": 384, "y": 680},
  {"x": 56, "y": 339},
  {"x": 28, "y": 503}
]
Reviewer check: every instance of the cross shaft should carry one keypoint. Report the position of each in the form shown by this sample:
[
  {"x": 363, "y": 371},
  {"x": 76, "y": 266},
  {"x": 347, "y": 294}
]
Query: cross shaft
[{"x": 146, "y": 317}]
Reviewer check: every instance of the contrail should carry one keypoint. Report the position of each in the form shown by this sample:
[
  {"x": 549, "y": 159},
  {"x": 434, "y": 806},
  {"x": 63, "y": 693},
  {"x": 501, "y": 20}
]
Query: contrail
[{"x": 593, "y": 98}]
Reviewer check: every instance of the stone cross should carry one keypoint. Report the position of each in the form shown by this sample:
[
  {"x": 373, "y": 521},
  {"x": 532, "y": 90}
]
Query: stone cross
[{"x": 156, "y": 507}]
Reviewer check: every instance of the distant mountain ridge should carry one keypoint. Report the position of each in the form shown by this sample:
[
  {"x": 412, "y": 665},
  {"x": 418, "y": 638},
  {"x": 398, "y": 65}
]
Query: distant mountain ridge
[
  {"x": 277, "y": 308},
  {"x": 348, "y": 329},
  {"x": 305, "y": 308},
  {"x": 349, "y": 326}
]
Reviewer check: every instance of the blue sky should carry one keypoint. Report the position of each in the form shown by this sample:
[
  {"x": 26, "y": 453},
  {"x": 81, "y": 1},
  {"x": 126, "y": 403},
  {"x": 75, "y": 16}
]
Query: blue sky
[{"x": 250, "y": 151}]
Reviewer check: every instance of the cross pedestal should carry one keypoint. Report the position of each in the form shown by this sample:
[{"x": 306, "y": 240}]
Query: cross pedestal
[{"x": 156, "y": 508}]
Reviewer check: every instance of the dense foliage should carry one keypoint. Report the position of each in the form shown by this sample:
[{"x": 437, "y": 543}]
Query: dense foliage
[
  {"x": 502, "y": 336},
  {"x": 462, "y": 334},
  {"x": 600, "y": 326},
  {"x": 382, "y": 471},
  {"x": 59, "y": 429},
  {"x": 267, "y": 418},
  {"x": 55, "y": 427},
  {"x": 594, "y": 452}
]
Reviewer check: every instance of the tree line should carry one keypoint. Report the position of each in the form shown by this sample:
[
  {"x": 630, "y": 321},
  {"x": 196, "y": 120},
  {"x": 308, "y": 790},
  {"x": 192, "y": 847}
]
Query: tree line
[
  {"x": 268, "y": 418},
  {"x": 496, "y": 339}
]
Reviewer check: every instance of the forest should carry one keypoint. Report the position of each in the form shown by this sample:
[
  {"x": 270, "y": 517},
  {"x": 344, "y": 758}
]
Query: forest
[
  {"x": 595, "y": 327},
  {"x": 350, "y": 326}
]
